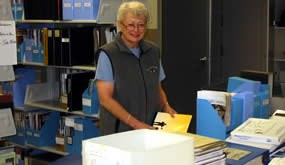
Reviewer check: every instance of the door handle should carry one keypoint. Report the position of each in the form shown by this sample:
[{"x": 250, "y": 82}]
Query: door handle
[{"x": 203, "y": 59}]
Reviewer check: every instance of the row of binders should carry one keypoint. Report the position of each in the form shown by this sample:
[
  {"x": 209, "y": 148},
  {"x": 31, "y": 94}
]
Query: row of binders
[
  {"x": 100, "y": 10},
  {"x": 61, "y": 47}
]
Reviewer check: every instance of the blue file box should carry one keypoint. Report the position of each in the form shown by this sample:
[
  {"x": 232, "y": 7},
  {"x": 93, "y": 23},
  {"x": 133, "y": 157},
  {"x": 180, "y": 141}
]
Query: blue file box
[
  {"x": 67, "y": 9},
  {"x": 20, "y": 137},
  {"x": 84, "y": 128},
  {"x": 46, "y": 135},
  {"x": 90, "y": 99},
  {"x": 25, "y": 76},
  {"x": 209, "y": 122},
  {"x": 237, "y": 84},
  {"x": 37, "y": 54},
  {"x": 248, "y": 104},
  {"x": 262, "y": 102},
  {"x": 29, "y": 43}
]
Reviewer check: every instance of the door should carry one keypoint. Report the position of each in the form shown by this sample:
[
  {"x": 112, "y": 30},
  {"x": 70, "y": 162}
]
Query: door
[
  {"x": 185, "y": 52},
  {"x": 240, "y": 38}
]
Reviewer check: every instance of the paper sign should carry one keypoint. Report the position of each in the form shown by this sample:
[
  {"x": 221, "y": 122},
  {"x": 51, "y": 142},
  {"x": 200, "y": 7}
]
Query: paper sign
[{"x": 8, "y": 47}]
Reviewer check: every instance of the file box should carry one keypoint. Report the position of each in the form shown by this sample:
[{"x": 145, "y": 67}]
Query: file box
[
  {"x": 46, "y": 135},
  {"x": 81, "y": 129}
]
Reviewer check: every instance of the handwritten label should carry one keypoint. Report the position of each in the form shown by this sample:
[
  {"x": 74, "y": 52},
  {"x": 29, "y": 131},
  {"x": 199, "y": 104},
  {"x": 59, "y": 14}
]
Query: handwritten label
[{"x": 8, "y": 47}]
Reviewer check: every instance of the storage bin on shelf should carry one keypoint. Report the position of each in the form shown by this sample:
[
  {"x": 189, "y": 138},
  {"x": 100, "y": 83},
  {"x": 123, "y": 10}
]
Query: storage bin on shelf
[
  {"x": 79, "y": 128},
  {"x": 44, "y": 136}
]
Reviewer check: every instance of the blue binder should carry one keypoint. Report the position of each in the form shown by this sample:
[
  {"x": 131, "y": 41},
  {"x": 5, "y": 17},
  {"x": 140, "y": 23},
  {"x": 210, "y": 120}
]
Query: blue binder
[
  {"x": 90, "y": 9},
  {"x": 77, "y": 9},
  {"x": 254, "y": 153},
  {"x": 67, "y": 9}
]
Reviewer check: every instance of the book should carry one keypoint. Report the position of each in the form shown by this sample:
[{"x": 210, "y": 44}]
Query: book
[
  {"x": 261, "y": 131},
  {"x": 206, "y": 148},
  {"x": 221, "y": 102},
  {"x": 213, "y": 161},
  {"x": 277, "y": 161},
  {"x": 164, "y": 122},
  {"x": 279, "y": 115},
  {"x": 270, "y": 147},
  {"x": 242, "y": 154}
]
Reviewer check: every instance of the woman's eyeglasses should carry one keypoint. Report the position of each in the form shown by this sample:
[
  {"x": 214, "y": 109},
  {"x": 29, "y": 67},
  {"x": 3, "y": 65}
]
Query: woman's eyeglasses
[{"x": 132, "y": 27}]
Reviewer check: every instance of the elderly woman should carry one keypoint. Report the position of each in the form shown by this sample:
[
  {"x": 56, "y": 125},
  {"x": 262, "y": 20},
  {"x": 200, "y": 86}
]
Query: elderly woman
[{"x": 129, "y": 75}]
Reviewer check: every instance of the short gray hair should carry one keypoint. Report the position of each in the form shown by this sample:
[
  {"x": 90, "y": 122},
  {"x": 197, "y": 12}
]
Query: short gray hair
[{"x": 134, "y": 7}]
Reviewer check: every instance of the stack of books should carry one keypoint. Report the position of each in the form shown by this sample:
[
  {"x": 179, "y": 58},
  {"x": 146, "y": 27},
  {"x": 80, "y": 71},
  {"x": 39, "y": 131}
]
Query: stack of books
[
  {"x": 208, "y": 150},
  {"x": 261, "y": 133}
]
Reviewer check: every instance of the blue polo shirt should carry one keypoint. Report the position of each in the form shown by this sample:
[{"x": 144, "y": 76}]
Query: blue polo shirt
[{"x": 104, "y": 68}]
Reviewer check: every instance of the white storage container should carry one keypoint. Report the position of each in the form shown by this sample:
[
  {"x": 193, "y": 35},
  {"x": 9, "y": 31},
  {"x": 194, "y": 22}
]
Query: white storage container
[{"x": 139, "y": 147}]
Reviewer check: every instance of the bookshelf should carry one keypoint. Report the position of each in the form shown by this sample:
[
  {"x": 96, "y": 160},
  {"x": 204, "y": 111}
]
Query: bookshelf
[{"x": 44, "y": 91}]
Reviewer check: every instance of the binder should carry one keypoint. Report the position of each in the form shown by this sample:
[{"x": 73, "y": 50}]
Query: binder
[
  {"x": 90, "y": 9},
  {"x": 77, "y": 46},
  {"x": 50, "y": 48},
  {"x": 45, "y": 10},
  {"x": 57, "y": 47},
  {"x": 242, "y": 154},
  {"x": 76, "y": 84},
  {"x": 77, "y": 9},
  {"x": 67, "y": 9},
  {"x": 65, "y": 47}
]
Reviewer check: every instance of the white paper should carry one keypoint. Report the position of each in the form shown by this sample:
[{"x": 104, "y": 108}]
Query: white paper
[
  {"x": 7, "y": 73},
  {"x": 7, "y": 126},
  {"x": 8, "y": 47}
]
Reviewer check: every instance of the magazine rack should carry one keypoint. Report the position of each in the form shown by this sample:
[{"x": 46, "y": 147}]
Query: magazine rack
[
  {"x": 210, "y": 124},
  {"x": 84, "y": 128},
  {"x": 46, "y": 135}
]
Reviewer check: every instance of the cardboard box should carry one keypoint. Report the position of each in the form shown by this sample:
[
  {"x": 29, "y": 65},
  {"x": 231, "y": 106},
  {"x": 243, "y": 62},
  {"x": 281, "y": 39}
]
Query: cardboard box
[{"x": 139, "y": 147}]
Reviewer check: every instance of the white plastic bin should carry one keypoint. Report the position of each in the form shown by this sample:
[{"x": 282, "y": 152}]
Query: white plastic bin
[{"x": 139, "y": 147}]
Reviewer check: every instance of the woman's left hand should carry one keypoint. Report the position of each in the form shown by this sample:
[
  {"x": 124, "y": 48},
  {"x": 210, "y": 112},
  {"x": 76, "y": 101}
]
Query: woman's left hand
[{"x": 168, "y": 109}]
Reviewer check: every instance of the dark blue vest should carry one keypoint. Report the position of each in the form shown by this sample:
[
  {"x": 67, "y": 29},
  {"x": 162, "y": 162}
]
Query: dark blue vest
[{"x": 136, "y": 84}]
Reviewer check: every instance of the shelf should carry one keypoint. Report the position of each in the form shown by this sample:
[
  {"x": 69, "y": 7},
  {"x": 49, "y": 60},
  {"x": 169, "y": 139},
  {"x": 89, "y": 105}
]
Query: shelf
[
  {"x": 279, "y": 28},
  {"x": 25, "y": 108},
  {"x": 59, "y": 23},
  {"x": 79, "y": 67},
  {"x": 48, "y": 149},
  {"x": 55, "y": 106},
  {"x": 279, "y": 59}
]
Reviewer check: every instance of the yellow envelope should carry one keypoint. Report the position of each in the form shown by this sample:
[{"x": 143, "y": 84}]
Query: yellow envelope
[{"x": 164, "y": 122}]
